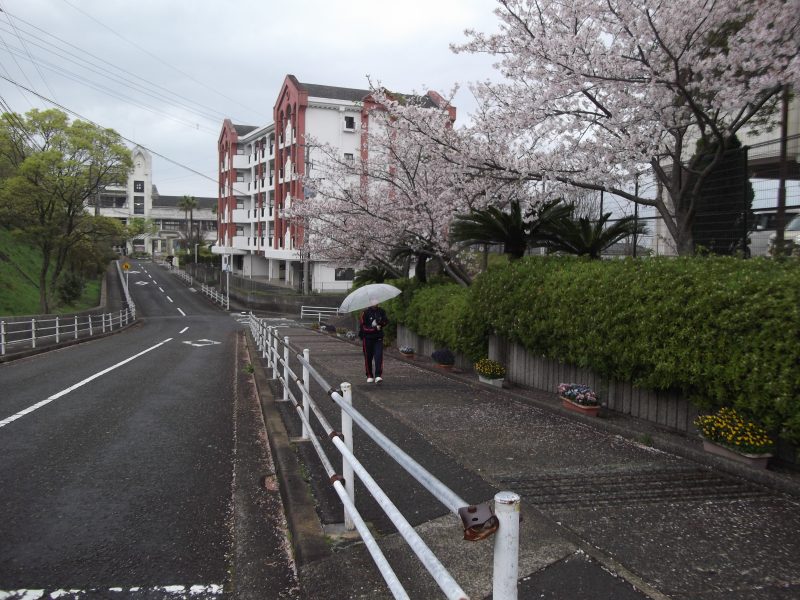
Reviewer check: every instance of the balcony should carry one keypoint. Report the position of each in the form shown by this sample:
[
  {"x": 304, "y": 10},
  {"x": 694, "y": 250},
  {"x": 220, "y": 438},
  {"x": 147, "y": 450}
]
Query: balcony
[
  {"x": 241, "y": 161},
  {"x": 240, "y": 215}
]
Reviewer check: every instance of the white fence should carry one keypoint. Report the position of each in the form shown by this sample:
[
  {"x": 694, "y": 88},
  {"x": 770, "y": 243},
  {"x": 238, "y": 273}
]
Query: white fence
[
  {"x": 18, "y": 335},
  {"x": 317, "y": 312},
  {"x": 479, "y": 522},
  {"x": 216, "y": 296}
]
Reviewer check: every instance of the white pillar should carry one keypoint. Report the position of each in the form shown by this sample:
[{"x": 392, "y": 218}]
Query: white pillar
[{"x": 506, "y": 546}]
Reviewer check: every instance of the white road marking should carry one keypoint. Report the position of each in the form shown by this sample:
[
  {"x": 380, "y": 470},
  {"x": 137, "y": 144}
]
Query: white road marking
[
  {"x": 183, "y": 330},
  {"x": 160, "y": 289},
  {"x": 170, "y": 299},
  {"x": 142, "y": 282},
  {"x": 66, "y": 391},
  {"x": 163, "y": 591},
  {"x": 203, "y": 342},
  {"x": 180, "y": 311}
]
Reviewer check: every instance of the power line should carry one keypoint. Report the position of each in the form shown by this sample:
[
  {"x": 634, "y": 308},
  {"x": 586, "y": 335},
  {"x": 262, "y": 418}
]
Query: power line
[
  {"x": 21, "y": 41},
  {"x": 158, "y": 58},
  {"x": 90, "y": 84},
  {"x": 130, "y": 141},
  {"x": 154, "y": 86}
]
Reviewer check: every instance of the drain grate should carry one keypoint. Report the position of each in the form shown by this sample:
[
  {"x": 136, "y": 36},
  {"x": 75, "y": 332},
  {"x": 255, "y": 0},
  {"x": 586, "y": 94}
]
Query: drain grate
[{"x": 639, "y": 487}]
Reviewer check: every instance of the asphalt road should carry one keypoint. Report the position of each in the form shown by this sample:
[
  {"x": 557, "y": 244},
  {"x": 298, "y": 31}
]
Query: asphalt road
[{"x": 118, "y": 456}]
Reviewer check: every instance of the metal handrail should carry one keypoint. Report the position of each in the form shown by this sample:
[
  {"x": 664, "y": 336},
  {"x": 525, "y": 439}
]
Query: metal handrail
[{"x": 507, "y": 503}]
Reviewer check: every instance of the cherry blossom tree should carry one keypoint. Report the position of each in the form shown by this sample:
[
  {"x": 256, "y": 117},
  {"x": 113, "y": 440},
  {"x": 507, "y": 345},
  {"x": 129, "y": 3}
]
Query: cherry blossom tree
[
  {"x": 399, "y": 197},
  {"x": 597, "y": 93}
]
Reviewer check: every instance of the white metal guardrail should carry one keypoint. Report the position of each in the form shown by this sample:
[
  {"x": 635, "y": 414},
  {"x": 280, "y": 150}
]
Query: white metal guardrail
[
  {"x": 317, "y": 312},
  {"x": 479, "y": 521},
  {"x": 16, "y": 335},
  {"x": 212, "y": 292}
]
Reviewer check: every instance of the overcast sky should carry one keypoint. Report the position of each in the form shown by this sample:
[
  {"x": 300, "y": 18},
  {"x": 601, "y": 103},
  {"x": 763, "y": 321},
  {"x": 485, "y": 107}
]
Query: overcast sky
[{"x": 166, "y": 73}]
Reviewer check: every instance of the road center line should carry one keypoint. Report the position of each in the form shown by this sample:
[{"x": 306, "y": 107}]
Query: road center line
[
  {"x": 168, "y": 298},
  {"x": 183, "y": 330},
  {"x": 66, "y": 391},
  {"x": 180, "y": 311},
  {"x": 161, "y": 289}
]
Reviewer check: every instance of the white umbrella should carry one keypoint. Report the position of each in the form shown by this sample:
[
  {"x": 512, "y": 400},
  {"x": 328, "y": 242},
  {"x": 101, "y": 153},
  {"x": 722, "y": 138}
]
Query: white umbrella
[{"x": 368, "y": 295}]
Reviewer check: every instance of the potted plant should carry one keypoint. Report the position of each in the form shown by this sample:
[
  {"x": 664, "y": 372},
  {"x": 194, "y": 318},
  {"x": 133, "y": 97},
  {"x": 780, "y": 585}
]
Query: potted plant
[
  {"x": 443, "y": 358},
  {"x": 490, "y": 371},
  {"x": 407, "y": 351},
  {"x": 579, "y": 398},
  {"x": 726, "y": 433}
]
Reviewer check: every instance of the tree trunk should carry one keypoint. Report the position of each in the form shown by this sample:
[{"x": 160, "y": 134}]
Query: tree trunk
[{"x": 420, "y": 269}]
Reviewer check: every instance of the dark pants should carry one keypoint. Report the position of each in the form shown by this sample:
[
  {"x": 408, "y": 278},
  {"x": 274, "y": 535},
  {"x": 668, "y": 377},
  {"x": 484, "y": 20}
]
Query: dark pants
[{"x": 373, "y": 353}]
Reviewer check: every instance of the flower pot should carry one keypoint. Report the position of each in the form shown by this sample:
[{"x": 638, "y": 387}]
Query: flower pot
[
  {"x": 409, "y": 355},
  {"x": 445, "y": 367},
  {"x": 757, "y": 461},
  {"x": 494, "y": 382},
  {"x": 590, "y": 411}
]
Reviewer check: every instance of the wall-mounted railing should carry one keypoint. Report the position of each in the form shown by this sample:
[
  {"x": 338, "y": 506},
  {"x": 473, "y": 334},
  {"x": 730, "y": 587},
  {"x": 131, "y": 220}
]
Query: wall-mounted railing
[
  {"x": 212, "y": 292},
  {"x": 479, "y": 522}
]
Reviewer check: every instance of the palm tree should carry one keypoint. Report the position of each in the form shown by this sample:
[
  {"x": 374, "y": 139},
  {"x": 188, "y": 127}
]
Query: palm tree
[
  {"x": 187, "y": 204},
  {"x": 586, "y": 237},
  {"x": 372, "y": 274},
  {"x": 515, "y": 232}
]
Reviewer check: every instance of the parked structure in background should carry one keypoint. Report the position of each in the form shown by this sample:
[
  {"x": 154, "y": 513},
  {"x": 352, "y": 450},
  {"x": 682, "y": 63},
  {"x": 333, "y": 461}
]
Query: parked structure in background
[
  {"x": 261, "y": 170},
  {"x": 772, "y": 161},
  {"x": 169, "y": 228}
]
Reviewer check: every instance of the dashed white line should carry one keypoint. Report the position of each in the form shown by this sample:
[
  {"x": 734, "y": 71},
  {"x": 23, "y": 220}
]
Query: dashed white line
[
  {"x": 168, "y": 298},
  {"x": 64, "y": 392},
  {"x": 183, "y": 330},
  {"x": 160, "y": 289},
  {"x": 180, "y": 311}
]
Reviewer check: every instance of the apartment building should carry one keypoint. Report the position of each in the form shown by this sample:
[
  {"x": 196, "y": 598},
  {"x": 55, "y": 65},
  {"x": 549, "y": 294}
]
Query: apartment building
[
  {"x": 139, "y": 198},
  {"x": 261, "y": 170}
]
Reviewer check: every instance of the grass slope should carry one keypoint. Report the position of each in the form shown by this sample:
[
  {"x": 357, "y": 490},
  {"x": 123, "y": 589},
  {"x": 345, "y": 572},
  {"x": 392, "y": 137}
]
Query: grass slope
[{"x": 19, "y": 274}]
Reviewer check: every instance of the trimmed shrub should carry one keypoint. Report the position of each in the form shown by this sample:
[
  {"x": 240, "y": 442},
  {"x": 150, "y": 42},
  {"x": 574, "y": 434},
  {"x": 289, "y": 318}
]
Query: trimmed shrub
[{"x": 723, "y": 331}]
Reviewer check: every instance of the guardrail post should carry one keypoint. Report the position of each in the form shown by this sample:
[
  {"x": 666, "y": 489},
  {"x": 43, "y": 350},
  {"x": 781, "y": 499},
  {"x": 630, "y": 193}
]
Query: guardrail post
[
  {"x": 274, "y": 353},
  {"x": 347, "y": 468},
  {"x": 91, "y": 332},
  {"x": 33, "y": 333},
  {"x": 506, "y": 546},
  {"x": 286, "y": 368},
  {"x": 306, "y": 395},
  {"x": 103, "y": 317},
  {"x": 76, "y": 327},
  {"x": 264, "y": 340},
  {"x": 120, "y": 317},
  {"x": 58, "y": 331},
  {"x": 2, "y": 337}
]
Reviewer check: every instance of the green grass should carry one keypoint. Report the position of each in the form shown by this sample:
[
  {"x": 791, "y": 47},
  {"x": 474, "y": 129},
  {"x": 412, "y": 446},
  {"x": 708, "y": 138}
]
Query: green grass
[{"x": 19, "y": 275}]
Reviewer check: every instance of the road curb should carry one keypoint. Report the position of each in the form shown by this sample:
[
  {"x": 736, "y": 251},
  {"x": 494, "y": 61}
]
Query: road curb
[{"x": 309, "y": 543}]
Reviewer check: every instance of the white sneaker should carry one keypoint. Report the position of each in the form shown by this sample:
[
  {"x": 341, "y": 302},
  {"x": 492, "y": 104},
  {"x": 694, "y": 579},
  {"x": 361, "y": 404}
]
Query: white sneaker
[
  {"x": 370, "y": 380},
  {"x": 378, "y": 379}
]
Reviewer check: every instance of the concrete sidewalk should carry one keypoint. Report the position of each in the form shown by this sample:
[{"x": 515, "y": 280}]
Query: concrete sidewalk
[{"x": 612, "y": 507}]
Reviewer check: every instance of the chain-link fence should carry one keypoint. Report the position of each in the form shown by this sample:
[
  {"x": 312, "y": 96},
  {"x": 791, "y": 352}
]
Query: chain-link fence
[{"x": 737, "y": 211}]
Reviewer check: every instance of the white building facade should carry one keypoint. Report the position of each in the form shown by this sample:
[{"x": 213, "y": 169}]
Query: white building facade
[
  {"x": 139, "y": 199},
  {"x": 261, "y": 172}
]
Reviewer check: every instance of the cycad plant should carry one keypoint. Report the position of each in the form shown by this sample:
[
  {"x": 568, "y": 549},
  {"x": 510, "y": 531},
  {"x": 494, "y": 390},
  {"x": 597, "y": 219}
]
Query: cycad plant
[
  {"x": 588, "y": 237},
  {"x": 511, "y": 229}
]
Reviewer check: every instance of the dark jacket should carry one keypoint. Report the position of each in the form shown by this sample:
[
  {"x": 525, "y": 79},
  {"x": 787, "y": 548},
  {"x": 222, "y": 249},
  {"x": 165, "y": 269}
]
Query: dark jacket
[{"x": 371, "y": 323}]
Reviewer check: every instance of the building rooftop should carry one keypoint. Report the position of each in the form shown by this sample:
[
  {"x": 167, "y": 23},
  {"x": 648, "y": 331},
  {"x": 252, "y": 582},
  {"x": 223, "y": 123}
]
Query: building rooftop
[{"x": 331, "y": 91}]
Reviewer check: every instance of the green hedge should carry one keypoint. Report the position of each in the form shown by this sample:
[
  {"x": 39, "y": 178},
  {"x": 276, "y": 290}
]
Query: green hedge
[
  {"x": 724, "y": 331},
  {"x": 442, "y": 312}
]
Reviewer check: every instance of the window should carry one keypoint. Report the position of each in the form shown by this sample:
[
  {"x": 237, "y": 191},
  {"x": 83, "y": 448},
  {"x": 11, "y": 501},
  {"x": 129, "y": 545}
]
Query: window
[
  {"x": 138, "y": 205},
  {"x": 344, "y": 274},
  {"x": 350, "y": 123},
  {"x": 348, "y": 158},
  {"x": 138, "y": 187}
]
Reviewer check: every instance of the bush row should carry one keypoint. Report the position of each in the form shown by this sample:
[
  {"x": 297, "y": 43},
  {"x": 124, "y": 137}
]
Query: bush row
[{"x": 725, "y": 332}]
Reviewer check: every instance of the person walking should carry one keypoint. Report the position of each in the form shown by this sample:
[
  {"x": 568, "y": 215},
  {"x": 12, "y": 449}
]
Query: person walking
[{"x": 370, "y": 331}]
